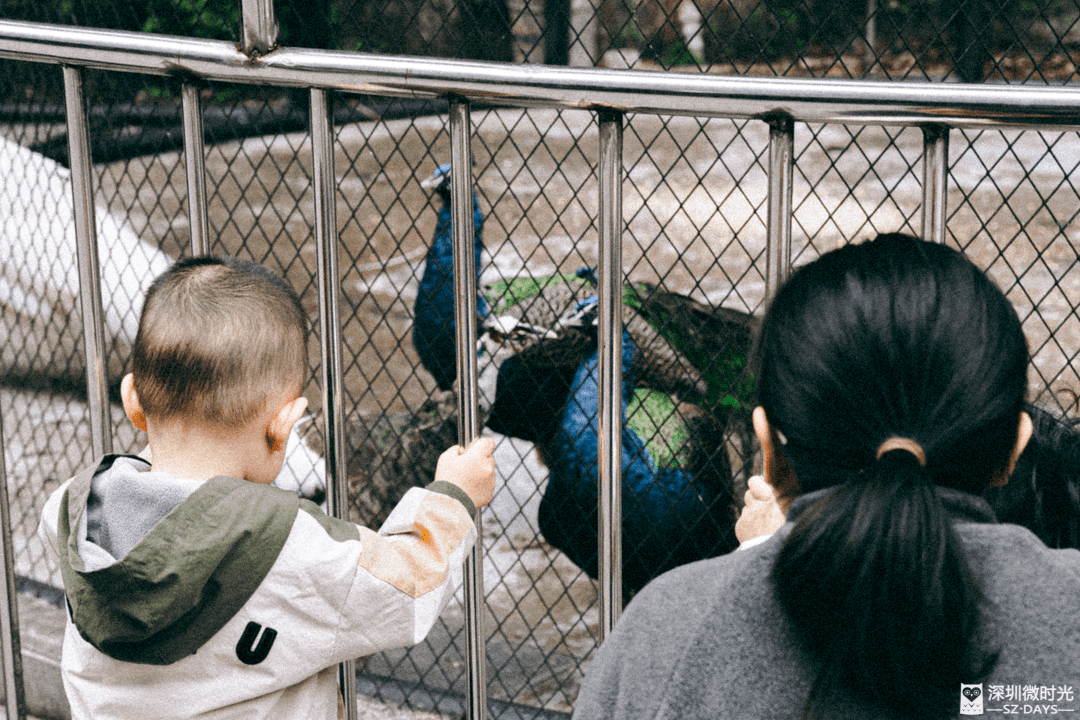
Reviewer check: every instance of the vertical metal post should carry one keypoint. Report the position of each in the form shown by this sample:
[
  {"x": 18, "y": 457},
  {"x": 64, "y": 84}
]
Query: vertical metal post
[
  {"x": 14, "y": 697},
  {"x": 322, "y": 151},
  {"x": 462, "y": 236},
  {"x": 97, "y": 391},
  {"x": 195, "y": 164},
  {"x": 259, "y": 29},
  {"x": 609, "y": 460},
  {"x": 935, "y": 181},
  {"x": 781, "y": 176}
]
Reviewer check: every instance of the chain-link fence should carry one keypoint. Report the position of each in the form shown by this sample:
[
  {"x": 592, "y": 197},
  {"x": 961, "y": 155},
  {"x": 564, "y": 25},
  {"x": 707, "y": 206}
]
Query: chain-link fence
[
  {"x": 695, "y": 207},
  {"x": 971, "y": 40}
]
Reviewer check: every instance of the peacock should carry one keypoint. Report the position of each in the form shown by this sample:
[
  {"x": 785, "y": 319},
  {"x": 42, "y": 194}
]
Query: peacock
[
  {"x": 685, "y": 379},
  {"x": 1043, "y": 492},
  {"x": 433, "y": 334},
  {"x": 686, "y": 387}
]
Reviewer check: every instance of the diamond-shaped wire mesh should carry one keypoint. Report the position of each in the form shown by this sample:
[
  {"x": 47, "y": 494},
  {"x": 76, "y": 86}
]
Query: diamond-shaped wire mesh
[
  {"x": 1014, "y": 210},
  {"x": 853, "y": 183},
  {"x": 695, "y": 196}
]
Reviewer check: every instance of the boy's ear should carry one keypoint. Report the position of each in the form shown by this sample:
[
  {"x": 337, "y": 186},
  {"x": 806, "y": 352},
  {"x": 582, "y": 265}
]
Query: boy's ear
[
  {"x": 281, "y": 424},
  {"x": 130, "y": 398}
]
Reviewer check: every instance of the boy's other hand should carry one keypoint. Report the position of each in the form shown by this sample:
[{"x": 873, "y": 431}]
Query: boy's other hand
[
  {"x": 472, "y": 469},
  {"x": 761, "y": 514}
]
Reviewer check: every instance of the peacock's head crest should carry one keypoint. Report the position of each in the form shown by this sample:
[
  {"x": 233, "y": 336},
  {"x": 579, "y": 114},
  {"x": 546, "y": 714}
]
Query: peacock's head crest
[{"x": 439, "y": 181}]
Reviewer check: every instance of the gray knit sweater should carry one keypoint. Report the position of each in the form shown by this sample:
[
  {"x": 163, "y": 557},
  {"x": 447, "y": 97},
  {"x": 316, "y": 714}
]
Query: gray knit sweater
[{"x": 707, "y": 640}]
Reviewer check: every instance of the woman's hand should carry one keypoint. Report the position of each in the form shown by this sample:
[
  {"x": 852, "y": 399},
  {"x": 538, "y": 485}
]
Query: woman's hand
[{"x": 761, "y": 514}]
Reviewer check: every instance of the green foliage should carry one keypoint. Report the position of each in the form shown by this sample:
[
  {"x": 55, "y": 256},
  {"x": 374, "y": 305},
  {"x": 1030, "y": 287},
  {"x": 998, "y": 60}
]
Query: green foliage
[
  {"x": 210, "y": 19},
  {"x": 767, "y": 32},
  {"x": 159, "y": 92},
  {"x": 678, "y": 53},
  {"x": 629, "y": 36},
  {"x": 214, "y": 19}
]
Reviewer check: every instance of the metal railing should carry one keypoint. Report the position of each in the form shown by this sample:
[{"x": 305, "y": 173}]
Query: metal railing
[
  {"x": 780, "y": 102},
  {"x": 971, "y": 40}
]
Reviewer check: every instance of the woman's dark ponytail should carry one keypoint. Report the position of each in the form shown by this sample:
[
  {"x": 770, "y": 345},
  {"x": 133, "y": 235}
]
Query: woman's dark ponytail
[
  {"x": 895, "y": 338},
  {"x": 874, "y": 580}
]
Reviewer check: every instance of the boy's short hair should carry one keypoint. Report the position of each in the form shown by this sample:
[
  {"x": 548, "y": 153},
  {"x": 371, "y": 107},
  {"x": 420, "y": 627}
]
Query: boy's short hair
[{"x": 219, "y": 338}]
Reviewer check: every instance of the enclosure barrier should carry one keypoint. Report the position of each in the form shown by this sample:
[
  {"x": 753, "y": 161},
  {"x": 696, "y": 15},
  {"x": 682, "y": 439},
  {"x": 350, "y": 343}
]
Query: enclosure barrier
[
  {"x": 14, "y": 698},
  {"x": 780, "y": 102}
]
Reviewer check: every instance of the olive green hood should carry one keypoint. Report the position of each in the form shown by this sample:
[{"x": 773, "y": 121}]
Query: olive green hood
[{"x": 185, "y": 578}]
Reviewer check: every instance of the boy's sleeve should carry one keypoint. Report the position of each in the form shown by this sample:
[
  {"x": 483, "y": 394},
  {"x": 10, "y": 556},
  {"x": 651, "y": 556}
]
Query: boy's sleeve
[{"x": 406, "y": 572}]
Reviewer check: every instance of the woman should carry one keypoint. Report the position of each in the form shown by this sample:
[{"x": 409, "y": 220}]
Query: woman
[{"x": 891, "y": 381}]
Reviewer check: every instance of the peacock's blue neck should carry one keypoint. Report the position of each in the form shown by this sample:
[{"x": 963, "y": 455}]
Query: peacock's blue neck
[
  {"x": 439, "y": 268},
  {"x": 434, "y": 327}
]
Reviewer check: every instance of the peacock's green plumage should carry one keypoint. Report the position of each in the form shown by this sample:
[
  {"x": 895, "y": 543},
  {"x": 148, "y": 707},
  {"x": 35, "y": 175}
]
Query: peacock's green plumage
[{"x": 688, "y": 354}]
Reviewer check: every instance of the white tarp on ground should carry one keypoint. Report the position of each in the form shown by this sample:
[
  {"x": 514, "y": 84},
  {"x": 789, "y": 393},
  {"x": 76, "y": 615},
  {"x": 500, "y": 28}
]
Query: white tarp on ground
[{"x": 39, "y": 271}]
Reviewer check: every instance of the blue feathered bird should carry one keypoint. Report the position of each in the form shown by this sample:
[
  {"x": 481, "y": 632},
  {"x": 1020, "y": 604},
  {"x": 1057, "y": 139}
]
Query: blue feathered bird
[
  {"x": 433, "y": 331},
  {"x": 681, "y": 361},
  {"x": 1043, "y": 492},
  {"x": 677, "y": 396}
]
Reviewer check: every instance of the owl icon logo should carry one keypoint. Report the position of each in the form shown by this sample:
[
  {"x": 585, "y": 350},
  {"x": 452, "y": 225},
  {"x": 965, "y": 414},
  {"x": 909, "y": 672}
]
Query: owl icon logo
[{"x": 971, "y": 699}]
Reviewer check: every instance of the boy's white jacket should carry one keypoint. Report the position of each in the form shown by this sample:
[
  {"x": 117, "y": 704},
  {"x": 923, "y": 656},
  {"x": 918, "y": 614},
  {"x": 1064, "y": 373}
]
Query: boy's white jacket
[{"x": 243, "y": 599}]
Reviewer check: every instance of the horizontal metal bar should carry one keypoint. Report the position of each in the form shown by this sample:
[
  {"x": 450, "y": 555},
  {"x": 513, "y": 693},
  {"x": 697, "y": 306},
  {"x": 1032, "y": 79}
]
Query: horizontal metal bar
[{"x": 805, "y": 100}]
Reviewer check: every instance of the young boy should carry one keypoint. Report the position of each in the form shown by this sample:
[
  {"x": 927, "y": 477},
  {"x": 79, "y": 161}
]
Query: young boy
[{"x": 195, "y": 589}]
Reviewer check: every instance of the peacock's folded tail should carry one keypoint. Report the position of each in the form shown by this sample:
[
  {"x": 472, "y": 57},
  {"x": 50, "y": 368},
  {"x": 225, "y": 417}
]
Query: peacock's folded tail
[
  {"x": 716, "y": 341},
  {"x": 560, "y": 302}
]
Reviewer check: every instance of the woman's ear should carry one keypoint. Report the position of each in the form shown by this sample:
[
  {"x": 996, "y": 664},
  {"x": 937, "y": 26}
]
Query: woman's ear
[
  {"x": 777, "y": 470},
  {"x": 763, "y": 432},
  {"x": 130, "y": 399},
  {"x": 1023, "y": 437}
]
